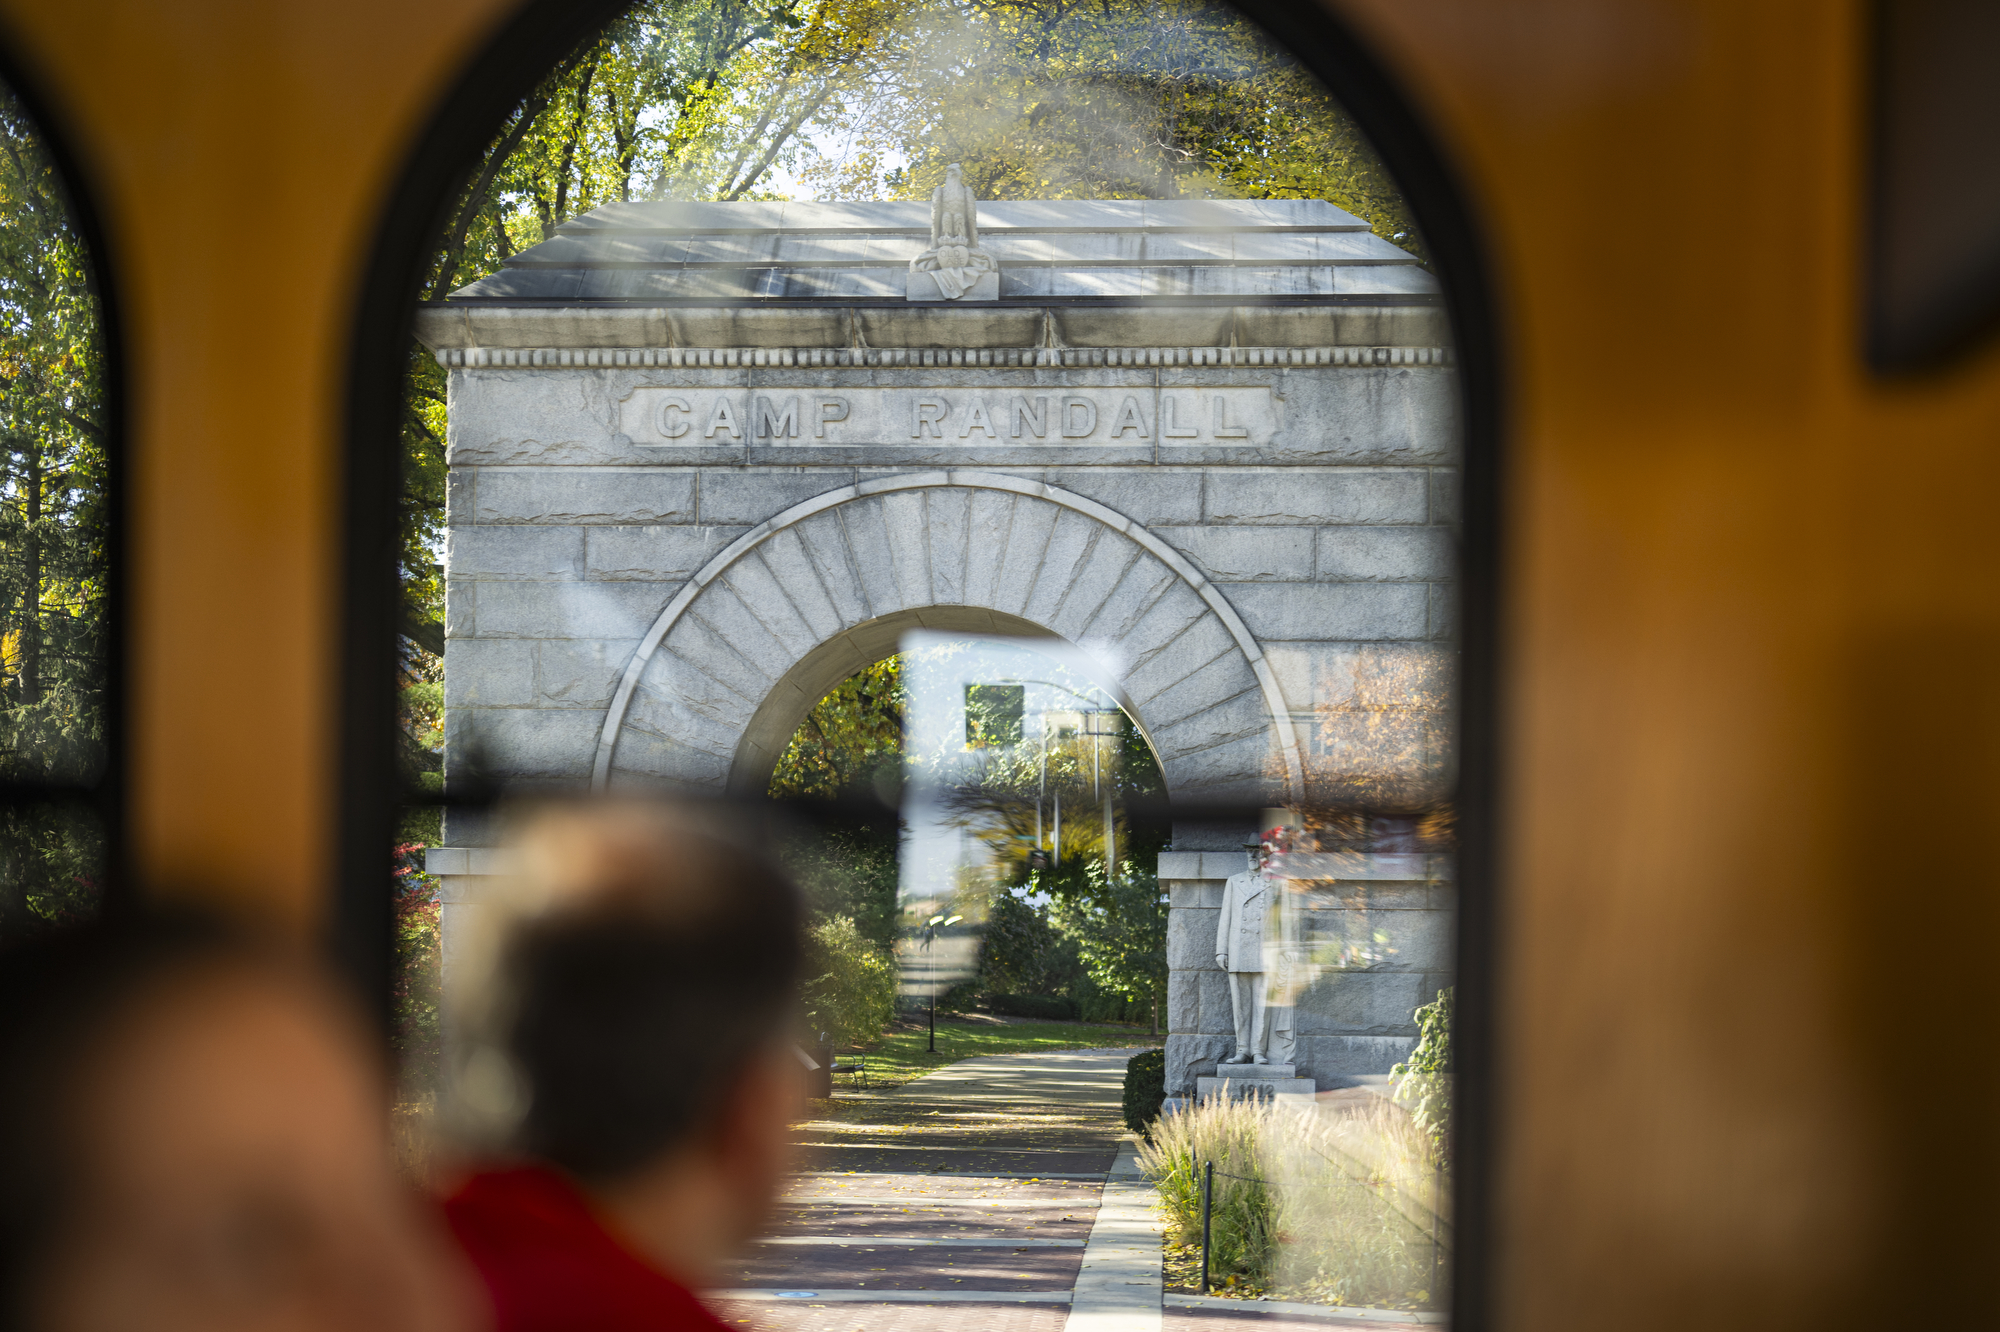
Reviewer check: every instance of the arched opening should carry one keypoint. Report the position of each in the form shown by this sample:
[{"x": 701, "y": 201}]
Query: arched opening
[
  {"x": 60, "y": 585},
  {"x": 705, "y": 444}
]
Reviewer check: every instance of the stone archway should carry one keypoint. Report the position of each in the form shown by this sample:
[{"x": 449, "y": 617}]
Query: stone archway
[{"x": 790, "y": 607}]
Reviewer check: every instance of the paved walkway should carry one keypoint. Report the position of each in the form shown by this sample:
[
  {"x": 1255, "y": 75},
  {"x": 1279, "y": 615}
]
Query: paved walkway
[{"x": 1000, "y": 1189}]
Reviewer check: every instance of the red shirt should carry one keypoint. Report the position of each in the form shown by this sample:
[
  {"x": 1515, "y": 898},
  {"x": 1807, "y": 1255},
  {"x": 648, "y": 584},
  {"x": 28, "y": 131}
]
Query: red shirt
[{"x": 550, "y": 1266}]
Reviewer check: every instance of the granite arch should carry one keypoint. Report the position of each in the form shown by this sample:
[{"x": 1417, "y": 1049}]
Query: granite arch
[{"x": 753, "y": 639}]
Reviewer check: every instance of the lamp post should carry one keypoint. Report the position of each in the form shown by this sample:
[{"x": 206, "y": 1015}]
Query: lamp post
[{"x": 931, "y": 927}]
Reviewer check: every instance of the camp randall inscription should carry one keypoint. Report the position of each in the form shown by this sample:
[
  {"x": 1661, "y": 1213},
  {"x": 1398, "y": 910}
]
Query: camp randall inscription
[{"x": 707, "y": 460}]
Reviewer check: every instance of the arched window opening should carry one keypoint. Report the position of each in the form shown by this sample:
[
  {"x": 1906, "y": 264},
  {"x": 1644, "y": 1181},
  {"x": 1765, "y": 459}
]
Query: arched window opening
[
  {"x": 787, "y": 376},
  {"x": 56, "y": 442}
]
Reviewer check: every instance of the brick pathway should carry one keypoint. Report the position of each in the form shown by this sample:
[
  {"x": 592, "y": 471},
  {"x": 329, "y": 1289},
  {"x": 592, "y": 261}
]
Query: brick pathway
[{"x": 927, "y": 1162}]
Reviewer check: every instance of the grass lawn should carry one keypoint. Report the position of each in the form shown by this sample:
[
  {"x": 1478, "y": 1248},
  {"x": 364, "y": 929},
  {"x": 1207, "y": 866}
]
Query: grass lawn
[{"x": 902, "y": 1054}]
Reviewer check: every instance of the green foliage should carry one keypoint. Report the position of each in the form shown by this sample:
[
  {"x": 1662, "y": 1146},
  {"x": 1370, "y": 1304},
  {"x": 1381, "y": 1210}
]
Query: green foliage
[
  {"x": 419, "y": 973},
  {"x": 1423, "y": 1082},
  {"x": 1021, "y": 953},
  {"x": 850, "y": 870},
  {"x": 993, "y": 715},
  {"x": 52, "y": 535},
  {"x": 1118, "y": 926},
  {"x": 853, "y": 738},
  {"x": 852, "y": 994},
  {"x": 1113, "y": 100},
  {"x": 1145, "y": 1088},
  {"x": 1047, "y": 1007}
]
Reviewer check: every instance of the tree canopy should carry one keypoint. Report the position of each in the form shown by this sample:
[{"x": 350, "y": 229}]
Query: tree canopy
[{"x": 53, "y": 529}]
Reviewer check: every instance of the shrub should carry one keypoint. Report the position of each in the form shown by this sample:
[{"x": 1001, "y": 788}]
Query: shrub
[
  {"x": 1424, "y": 1083},
  {"x": 1145, "y": 1088},
  {"x": 852, "y": 993},
  {"x": 1047, "y": 1007}
]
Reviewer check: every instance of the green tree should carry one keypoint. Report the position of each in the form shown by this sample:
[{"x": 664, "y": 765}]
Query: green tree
[
  {"x": 852, "y": 738},
  {"x": 852, "y": 993},
  {"x": 1118, "y": 925},
  {"x": 52, "y": 532}
]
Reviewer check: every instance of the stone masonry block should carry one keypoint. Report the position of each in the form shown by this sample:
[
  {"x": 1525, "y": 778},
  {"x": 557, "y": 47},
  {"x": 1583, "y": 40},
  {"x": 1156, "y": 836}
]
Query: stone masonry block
[
  {"x": 1191, "y": 938},
  {"x": 903, "y": 518},
  {"x": 947, "y": 518},
  {"x": 458, "y": 485},
  {"x": 513, "y": 551},
  {"x": 666, "y": 714},
  {"x": 580, "y": 672},
  {"x": 1130, "y": 612},
  {"x": 683, "y": 685},
  {"x": 1333, "y": 611},
  {"x": 1245, "y": 555},
  {"x": 1446, "y": 505},
  {"x": 1156, "y": 626},
  {"x": 461, "y": 604},
  {"x": 1311, "y": 498},
  {"x": 1186, "y": 894},
  {"x": 1358, "y": 554},
  {"x": 784, "y": 562},
  {"x": 1092, "y": 583},
  {"x": 1070, "y": 546},
  {"x": 823, "y": 541},
  {"x": 1149, "y": 497},
  {"x": 568, "y": 610},
  {"x": 752, "y": 497},
  {"x": 694, "y": 640},
  {"x": 653, "y": 762},
  {"x": 1183, "y": 1001},
  {"x": 1360, "y": 1003},
  {"x": 1243, "y": 771},
  {"x": 583, "y": 495},
  {"x": 529, "y": 742},
  {"x": 1189, "y": 1056},
  {"x": 1351, "y": 1056},
  {"x": 871, "y": 556},
  {"x": 666, "y": 554},
  {"x": 989, "y": 518},
  {"x": 1227, "y": 677},
  {"x": 1217, "y": 1016},
  {"x": 1363, "y": 675},
  {"x": 751, "y": 585},
  {"x": 1227, "y": 721},
  {"x": 490, "y": 673},
  {"x": 1443, "y": 611},
  {"x": 1202, "y": 642},
  {"x": 1027, "y": 548}
]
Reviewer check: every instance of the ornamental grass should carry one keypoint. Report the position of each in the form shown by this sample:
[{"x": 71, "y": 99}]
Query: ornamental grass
[{"x": 1341, "y": 1201}]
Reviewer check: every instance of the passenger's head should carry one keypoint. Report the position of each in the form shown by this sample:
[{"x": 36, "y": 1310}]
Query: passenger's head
[
  {"x": 193, "y": 1135},
  {"x": 647, "y": 1010}
]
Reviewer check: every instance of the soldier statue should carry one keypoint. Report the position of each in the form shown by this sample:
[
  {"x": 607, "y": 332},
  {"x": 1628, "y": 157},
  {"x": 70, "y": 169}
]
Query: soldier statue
[
  {"x": 1239, "y": 951},
  {"x": 954, "y": 259}
]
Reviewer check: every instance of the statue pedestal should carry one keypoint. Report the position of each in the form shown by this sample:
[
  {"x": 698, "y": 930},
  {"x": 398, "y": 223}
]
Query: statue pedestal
[
  {"x": 924, "y": 287},
  {"x": 1254, "y": 1082}
]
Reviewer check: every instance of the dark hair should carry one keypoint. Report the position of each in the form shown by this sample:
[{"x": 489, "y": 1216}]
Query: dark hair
[
  {"x": 633, "y": 1013},
  {"x": 61, "y": 994}
]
